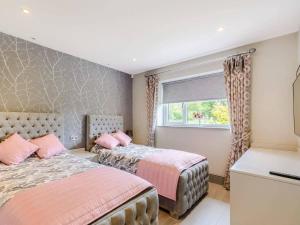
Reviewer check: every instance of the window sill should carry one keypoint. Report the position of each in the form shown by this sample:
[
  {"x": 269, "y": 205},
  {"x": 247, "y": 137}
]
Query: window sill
[{"x": 195, "y": 126}]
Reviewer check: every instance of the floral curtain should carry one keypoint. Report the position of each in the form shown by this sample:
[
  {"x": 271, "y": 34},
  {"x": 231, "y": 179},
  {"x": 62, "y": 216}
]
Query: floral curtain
[
  {"x": 152, "y": 101},
  {"x": 237, "y": 72}
]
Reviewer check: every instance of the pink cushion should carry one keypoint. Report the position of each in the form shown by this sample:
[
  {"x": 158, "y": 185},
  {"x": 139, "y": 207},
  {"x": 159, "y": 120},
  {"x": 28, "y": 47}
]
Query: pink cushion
[
  {"x": 123, "y": 138},
  {"x": 49, "y": 145},
  {"x": 107, "y": 141},
  {"x": 16, "y": 149}
]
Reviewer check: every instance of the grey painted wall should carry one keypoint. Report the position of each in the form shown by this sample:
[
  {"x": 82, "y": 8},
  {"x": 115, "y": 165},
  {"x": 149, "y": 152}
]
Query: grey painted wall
[{"x": 38, "y": 79}]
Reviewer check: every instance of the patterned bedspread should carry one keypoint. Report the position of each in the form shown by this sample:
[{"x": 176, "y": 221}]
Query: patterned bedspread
[
  {"x": 162, "y": 170},
  {"x": 124, "y": 158},
  {"x": 34, "y": 171}
]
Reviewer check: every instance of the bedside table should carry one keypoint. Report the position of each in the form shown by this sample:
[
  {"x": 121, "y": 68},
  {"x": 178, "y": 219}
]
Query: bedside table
[{"x": 80, "y": 152}]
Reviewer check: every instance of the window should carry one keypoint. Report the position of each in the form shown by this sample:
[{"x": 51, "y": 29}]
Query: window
[
  {"x": 196, "y": 102},
  {"x": 209, "y": 113},
  {"x": 175, "y": 113}
]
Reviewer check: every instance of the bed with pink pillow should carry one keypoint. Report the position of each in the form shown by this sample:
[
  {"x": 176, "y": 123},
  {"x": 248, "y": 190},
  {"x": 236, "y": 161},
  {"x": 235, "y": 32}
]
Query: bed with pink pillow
[
  {"x": 181, "y": 178},
  {"x": 42, "y": 183}
]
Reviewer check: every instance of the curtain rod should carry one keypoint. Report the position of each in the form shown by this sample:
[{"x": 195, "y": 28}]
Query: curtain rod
[{"x": 251, "y": 51}]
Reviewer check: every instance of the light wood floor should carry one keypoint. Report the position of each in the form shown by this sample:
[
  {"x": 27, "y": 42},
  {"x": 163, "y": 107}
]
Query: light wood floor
[{"x": 214, "y": 209}]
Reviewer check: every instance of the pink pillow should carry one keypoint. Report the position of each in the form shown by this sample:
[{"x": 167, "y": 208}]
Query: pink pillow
[
  {"x": 16, "y": 149},
  {"x": 49, "y": 145},
  {"x": 107, "y": 141},
  {"x": 123, "y": 138}
]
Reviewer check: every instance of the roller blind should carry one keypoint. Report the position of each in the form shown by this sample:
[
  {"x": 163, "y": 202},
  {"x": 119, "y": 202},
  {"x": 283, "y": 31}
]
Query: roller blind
[{"x": 195, "y": 89}]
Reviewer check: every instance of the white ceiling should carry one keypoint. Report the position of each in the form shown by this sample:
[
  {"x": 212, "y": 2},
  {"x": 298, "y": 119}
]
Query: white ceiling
[{"x": 155, "y": 32}]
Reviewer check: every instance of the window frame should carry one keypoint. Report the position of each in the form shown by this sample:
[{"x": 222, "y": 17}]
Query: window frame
[{"x": 184, "y": 122}]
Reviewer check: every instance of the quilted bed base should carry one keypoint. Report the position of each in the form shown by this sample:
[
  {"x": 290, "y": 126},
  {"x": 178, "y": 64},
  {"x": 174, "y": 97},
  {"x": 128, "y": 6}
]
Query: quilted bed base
[
  {"x": 192, "y": 186},
  {"x": 142, "y": 210}
]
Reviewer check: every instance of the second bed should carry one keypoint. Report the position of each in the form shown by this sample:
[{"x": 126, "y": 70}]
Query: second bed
[{"x": 192, "y": 183}]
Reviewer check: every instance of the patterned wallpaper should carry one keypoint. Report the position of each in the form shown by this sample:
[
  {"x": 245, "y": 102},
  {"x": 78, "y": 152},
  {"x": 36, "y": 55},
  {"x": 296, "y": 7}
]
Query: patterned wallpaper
[{"x": 38, "y": 79}]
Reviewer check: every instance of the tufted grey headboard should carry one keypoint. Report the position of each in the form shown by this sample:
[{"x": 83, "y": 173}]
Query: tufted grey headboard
[
  {"x": 31, "y": 125},
  {"x": 99, "y": 124}
]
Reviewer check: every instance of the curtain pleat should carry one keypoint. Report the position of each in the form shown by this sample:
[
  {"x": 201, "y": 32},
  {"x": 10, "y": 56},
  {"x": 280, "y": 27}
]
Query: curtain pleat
[
  {"x": 152, "y": 101},
  {"x": 237, "y": 73}
]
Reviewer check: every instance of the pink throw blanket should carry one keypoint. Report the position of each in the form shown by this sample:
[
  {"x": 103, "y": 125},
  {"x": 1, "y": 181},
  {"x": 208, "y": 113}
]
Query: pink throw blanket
[
  {"x": 163, "y": 169},
  {"x": 77, "y": 200}
]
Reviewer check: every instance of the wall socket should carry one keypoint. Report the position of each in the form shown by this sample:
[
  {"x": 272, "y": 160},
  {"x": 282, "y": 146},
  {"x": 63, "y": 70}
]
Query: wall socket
[{"x": 74, "y": 137}]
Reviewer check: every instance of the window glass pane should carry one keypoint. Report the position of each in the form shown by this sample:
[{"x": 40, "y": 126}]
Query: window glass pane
[
  {"x": 211, "y": 112},
  {"x": 175, "y": 113}
]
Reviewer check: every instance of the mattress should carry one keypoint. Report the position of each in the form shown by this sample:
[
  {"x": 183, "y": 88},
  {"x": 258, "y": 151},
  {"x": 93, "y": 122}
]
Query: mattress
[{"x": 34, "y": 171}]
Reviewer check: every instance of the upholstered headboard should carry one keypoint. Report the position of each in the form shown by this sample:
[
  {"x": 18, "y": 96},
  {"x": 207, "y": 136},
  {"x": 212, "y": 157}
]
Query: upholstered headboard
[
  {"x": 99, "y": 124},
  {"x": 31, "y": 125}
]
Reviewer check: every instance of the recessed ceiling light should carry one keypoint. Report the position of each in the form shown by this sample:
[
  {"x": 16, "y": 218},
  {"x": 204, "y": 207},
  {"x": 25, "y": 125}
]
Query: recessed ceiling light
[
  {"x": 220, "y": 29},
  {"x": 134, "y": 59},
  {"x": 26, "y": 11}
]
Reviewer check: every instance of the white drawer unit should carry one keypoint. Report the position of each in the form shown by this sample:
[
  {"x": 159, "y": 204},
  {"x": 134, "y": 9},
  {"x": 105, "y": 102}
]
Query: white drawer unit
[{"x": 258, "y": 198}]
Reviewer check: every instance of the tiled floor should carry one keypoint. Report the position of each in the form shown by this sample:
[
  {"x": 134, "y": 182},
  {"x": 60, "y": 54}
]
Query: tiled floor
[{"x": 214, "y": 209}]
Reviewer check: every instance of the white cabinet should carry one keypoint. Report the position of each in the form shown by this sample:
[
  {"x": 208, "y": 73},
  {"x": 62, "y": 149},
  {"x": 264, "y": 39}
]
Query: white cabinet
[{"x": 258, "y": 198}]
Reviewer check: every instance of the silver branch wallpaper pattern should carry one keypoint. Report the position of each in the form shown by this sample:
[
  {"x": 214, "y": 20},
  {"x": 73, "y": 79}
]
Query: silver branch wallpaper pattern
[{"x": 38, "y": 79}]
